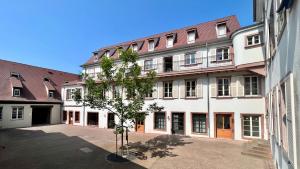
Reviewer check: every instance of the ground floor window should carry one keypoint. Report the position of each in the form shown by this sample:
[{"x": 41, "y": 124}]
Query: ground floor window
[
  {"x": 160, "y": 120},
  {"x": 199, "y": 123},
  {"x": 251, "y": 125},
  {"x": 77, "y": 116},
  {"x": 17, "y": 113}
]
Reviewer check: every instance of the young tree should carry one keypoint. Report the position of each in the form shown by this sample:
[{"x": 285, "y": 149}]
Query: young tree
[{"x": 128, "y": 86}]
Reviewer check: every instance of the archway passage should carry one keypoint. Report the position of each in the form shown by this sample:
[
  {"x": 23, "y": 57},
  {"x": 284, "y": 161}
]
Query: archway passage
[{"x": 41, "y": 115}]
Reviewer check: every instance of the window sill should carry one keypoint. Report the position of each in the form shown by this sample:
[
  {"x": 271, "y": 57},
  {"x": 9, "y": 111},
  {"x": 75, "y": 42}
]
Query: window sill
[
  {"x": 168, "y": 98},
  {"x": 191, "y": 65},
  {"x": 148, "y": 98},
  {"x": 191, "y": 98},
  {"x": 254, "y": 46},
  {"x": 224, "y": 97},
  {"x": 250, "y": 96},
  {"x": 221, "y": 61}
]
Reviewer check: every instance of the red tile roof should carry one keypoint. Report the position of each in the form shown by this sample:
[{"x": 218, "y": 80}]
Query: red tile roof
[
  {"x": 15, "y": 82},
  {"x": 32, "y": 79},
  {"x": 206, "y": 33}
]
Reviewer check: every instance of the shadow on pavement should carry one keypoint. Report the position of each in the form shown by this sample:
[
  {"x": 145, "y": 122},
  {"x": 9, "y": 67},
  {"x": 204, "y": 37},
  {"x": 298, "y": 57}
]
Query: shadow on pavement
[
  {"x": 160, "y": 146},
  {"x": 35, "y": 149}
]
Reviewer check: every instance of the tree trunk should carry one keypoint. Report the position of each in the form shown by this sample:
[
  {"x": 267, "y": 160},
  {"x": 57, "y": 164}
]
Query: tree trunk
[{"x": 122, "y": 133}]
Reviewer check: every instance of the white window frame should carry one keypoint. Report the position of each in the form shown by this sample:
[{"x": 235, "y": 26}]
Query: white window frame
[
  {"x": 252, "y": 37},
  {"x": 169, "y": 41},
  {"x": 222, "y": 54},
  {"x": 223, "y": 87},
  {"x": 1, "y": 114},
  {"x": 14, "y": 92},
  {"x": 134, "y": 47},
  {"x": 106, "y": 53},
  {"x": 168, "y": 93},
  {"x": 69, "y": 95},
  {"x": 218, "y": 29},
  {"x": 150, "y": 45},
  {"x": 148, "y": 66},
  {"x": 251, "y": 85},
  {"x": 19, "y": 111},
  {"x": 251, "y": 126},
  {"x": 51, "y": 94},
  {"x": 192, "y": 92},
  {"x": 191, "y": 36},
  {"x": 189, "y": 57}
]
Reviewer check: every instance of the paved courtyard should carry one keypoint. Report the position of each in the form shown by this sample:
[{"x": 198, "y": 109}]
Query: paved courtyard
[{"x": 73, "y": 147}]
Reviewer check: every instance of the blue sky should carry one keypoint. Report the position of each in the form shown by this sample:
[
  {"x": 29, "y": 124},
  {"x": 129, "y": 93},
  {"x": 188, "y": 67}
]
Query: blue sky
[{"x": 61, "y": 34}]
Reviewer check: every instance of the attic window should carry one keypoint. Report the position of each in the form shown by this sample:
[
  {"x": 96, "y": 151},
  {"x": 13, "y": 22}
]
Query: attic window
[
  {"x": 106, "y": 53},
  {"x": 170, "y": 41},
  {"x": 15, "y": 74},
  {"x": 46, "y": 79},
  {"x": 51, "y": 93},
  {"x": 96, "y": 57},
  {"x": 191, "y": 36},
  {"x": 134, "y": 47},
  {"x": 16, "y": 92},
  {"x": 151, "y": 45},
  {"x": 221, "y": 29}
]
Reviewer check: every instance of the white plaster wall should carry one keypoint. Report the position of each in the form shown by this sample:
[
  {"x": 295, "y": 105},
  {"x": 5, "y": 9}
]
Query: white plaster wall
[{"x": 247, "y": 55}]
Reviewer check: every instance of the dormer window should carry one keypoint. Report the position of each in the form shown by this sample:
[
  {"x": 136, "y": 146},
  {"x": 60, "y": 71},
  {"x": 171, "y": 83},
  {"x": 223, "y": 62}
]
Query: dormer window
[
  {"x": 51, "y": 94},
  {"x": 151, "y": 45},
  {"x": 134, "y": 47},
  {"x": 16, "y": 92},
  {"x": 191, "y": 36},
  {"x": 221, "y": 29},
  {"x": 170, "y": 41},
  {"x": 106, "y": 53}
]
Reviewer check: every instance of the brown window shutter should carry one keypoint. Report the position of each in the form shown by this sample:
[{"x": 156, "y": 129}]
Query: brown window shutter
[
  {"x": 199, "y": 88},
  {"x": 175, "y": 89},
  {"x": 233, "y": 87},
  {"x": 159, "y": 65},
  {"x": 241, "y": 83},
  {"x": 213, "y": 87},
  {"x": 182, "y": 88},
  {"x": 160, "y": 90}
]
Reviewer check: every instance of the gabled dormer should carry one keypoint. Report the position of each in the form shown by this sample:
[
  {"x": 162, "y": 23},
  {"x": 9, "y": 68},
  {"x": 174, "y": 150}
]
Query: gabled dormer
[
  {"x": 50, "y": 89},
  {"x": 171, "y": 39},
  {"x": 152, "y": 43},
  {"x": 221, "y": 29},
  {"x": 192, "y": 35},
  {"x": 16, "y": 84}
]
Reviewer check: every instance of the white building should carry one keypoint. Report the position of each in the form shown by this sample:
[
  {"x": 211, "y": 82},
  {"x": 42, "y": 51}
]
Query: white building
[
  {"x": 30, "y": 95},
  {"x": 210, "y": 82},
  {"x": 282, "y": 43}
]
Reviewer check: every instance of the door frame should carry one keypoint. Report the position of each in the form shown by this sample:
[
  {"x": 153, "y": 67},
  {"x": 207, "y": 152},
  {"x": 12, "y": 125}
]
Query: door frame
[
  {"x": 215, "y": 123},
  {"x": 184, "y": 121},
  {"x": 144, "y": 124},
  {"x": 69, "y": 119}
]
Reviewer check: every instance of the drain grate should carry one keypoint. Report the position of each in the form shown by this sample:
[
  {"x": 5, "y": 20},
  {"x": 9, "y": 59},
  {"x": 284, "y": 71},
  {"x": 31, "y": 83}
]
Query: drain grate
[{"x": 86, "y": 150}]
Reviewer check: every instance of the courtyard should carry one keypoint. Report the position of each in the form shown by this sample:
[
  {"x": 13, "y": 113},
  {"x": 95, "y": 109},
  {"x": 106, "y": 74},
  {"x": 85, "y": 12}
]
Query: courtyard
[{"x": 74, "y": 147}]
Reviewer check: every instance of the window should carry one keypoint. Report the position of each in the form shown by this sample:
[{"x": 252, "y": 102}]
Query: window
[
  {"x": 222, "y": 54},
  {"x": 134, "y": 47},
  {"x": 190, "y": 88},
  {"x": 64, "y": 115},
  {"x": 151, "y": 45},
  {"x": 69, "y": 94},
  {"x": 223, "y": 86},
  {"x": 170, "y": 41},
  {"x": 221, "y": 29},
  {"x": 168, "y": 89},
  {"x": 51, "y": 94},
  {"x": 78, "y": 91},
  {"x": 1, "y": 108},
  {"x": 251, "y": 125},
  {"x": 148, "y": 64},
  {"x": 191, "y": 36},
  {"x": 77, "y": 116},
  {"x": 281, "y": 19},
  {"x": 159, "y": 120},
  {"x": 190, "y": 58},
  {"x": 251, "y": 85},
  {"x": 149, "y": 95},
  {"x": 199, "y": 123},
  {"x": 17, "y": 113},
  {"x": 16, "y": 92},
  {"x": 253, "y": 40},
  {"x": 107, "y": 53}
]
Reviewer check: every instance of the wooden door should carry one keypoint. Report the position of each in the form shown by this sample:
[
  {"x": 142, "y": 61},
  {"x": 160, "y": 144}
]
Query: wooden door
[
  {"x": 224, "y": 126},
  {"x": 177, "y": 123},
  {"x": 70, "y": 117},
  {"x": 110, "y": 121},
  {"x": 140, "y": 125}
]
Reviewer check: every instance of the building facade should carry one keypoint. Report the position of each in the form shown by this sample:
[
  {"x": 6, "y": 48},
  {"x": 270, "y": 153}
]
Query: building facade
[
  {"x": 30, "y": 95},
  {"x": 282, "y": 48},
  {"x": 210, "y": 82}
]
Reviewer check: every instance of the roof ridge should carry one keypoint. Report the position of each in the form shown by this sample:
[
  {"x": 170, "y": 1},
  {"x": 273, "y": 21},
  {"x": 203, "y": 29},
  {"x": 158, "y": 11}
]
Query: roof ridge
[
  {"x": 39, "y": 67},
  {"x": 153, "y": 35}
]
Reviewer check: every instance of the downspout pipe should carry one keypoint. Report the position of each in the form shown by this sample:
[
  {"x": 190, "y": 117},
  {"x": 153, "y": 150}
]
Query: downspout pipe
[{"x": 208, "y": 94}]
